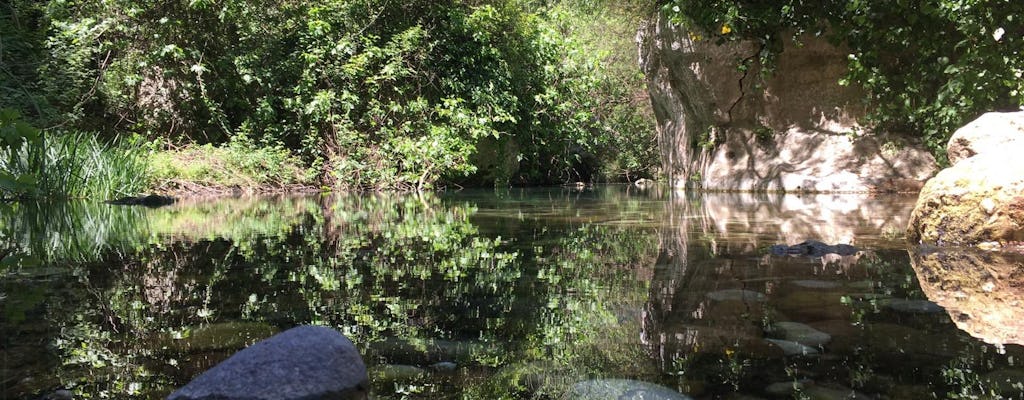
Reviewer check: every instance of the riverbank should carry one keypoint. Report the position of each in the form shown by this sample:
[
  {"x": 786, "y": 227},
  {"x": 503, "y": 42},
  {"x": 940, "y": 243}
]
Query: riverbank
[{"x": 238, "y": 167}]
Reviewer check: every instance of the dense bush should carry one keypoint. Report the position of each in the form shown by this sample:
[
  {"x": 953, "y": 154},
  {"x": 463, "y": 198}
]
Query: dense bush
[
  {"x": 371, "y": 94},
  {"x": 929, "y": 65}
]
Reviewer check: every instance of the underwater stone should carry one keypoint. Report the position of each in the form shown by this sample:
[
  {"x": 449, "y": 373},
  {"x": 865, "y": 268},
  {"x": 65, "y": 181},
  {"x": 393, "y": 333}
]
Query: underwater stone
[
  {"x": 306, "y": 362},
  {"x": 791, "y": 348},
  {"x": 389, "y": 373},
  {"x": 800, "y": 333},
  {"x": 785, "y": 389},
  {"x": 914, "y": 306},
  {"x": 622, "y": 389},
  {"x": 816, "y": 284},
  {"x": 736, "y": 295}
]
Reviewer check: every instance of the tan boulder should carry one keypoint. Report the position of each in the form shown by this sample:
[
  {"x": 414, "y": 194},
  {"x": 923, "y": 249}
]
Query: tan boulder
[
  {"x": 991, "y": 131},
  {"x": 978, "y": 201}
]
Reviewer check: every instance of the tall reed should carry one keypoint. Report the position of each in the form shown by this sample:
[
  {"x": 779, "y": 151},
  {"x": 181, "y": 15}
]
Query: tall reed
[{"x": 72, "y": 165}]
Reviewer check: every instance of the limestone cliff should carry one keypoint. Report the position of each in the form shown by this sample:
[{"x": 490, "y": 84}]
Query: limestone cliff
[{"x": 721, "y": 127}]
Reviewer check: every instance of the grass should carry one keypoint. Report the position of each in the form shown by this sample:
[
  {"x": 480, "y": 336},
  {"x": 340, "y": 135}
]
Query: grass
[
  {"x": 233, "y": 167},
  {"x": 72, "y": 166}
]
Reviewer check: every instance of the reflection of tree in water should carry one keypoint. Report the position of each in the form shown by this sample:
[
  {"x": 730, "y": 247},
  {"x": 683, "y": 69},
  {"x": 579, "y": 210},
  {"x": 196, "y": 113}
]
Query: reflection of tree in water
[{"x": 143, "y": 315}]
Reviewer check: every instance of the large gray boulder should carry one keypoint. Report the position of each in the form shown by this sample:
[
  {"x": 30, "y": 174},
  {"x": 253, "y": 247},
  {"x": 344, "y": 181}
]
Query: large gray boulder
[
  {"x": 980, "y": 199},
  {"x": 302, "y": 363}
]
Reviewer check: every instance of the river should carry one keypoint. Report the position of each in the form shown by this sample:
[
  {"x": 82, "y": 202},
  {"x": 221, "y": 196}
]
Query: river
[{"x": 517, "y": 293}]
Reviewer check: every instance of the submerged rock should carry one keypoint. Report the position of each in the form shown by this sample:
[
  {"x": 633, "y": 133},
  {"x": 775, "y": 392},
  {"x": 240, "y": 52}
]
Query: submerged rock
[
  {"x": 833, "y": 393},
  {"x": 800, "y": 333},
  {"x": 736, "y": 295},
  {"x": 306, "y": 362},
  {"x": 427, "y": 351},
  {"x": 622, "y": 389},
  {"x": 390, "y": 373},
  {"x": 786, "y": 389},
  {"x": 791, "y": 348},
  {"x": 231, "y": 336},
  {"x": 913, "y": 306},
  {"x": 816, "y": 284}
]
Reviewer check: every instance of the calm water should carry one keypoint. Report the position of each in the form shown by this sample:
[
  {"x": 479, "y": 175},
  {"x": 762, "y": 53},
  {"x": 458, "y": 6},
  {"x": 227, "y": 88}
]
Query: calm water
[{"x": 510, "y": 294}]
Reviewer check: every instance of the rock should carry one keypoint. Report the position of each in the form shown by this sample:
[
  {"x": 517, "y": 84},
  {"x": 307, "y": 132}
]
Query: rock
[
  {"x": 791, "y": 348},
  {"x": 427, "y": 351},
  {"x": 829, "y": 393},
  {"x": 390, "y": 373},
  {"x": 795, "y": 129},
  {"x": 60, "y": 394},
  {"x": 306, "y": 362},
  {"x": 786, "y": 389},
  {"x": 231, "y": 336},
  {"x": 981, "y": 291},
  {"x": 800, "y": 333},
  {"x": 736, "y": 295},
  {"x": 980, "y": 199},
  {"x": 815, "y": 284},
  {"x": 990, "y": 132},
  {"x": 444, "y": 366},
  {"x": 812, "y": 305},
  {"x": 533, "y": 377},
  {"x": 151, "y": 201},
  {"x": 741, "y": 396},
  {"x": 813, "y": 248},
  {"x": 913, "y": 306},
  {"x": 621, "y": 389}
]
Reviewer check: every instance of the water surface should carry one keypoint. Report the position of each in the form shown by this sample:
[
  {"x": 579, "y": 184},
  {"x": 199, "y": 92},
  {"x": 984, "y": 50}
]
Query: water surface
[{"x": 508, "y": 294}]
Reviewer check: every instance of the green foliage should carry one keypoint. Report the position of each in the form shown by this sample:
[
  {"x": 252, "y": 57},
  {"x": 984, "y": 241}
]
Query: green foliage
[
  {"x": 238, "y": 164},
  {"x": 36, "y": 164},
  {"x": 603, "y": 31},
  {"x": 369, "y": 94},
  {"x": 928, "y": 66}
]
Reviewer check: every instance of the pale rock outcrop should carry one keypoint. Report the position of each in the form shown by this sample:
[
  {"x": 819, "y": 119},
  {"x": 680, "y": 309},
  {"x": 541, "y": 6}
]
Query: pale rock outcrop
[
  {"x": 794, "y": 129},
  {"x": 991, "y": 131},
  {"x": 980, "y": 199}
]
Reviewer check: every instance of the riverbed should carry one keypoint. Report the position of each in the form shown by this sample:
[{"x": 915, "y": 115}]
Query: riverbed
[{"x": 511, "y": 293}]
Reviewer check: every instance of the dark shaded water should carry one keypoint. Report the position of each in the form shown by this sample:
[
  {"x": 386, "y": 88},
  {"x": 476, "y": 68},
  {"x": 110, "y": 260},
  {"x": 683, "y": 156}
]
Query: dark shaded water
[{"x": 508, "y": 294}]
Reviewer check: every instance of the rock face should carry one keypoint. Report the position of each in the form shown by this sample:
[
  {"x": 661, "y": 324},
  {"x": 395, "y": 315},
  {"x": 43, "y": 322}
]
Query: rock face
[
  {"x": 980, "y": 199},
  {"x": 305, "y": 362},
  {"x": 794, "y": 130}
]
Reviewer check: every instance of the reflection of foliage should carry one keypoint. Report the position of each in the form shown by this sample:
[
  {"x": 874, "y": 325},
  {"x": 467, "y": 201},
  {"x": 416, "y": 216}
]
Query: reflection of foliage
[
  {"x": 590, "y": 321},
  {"x": 412, "y": 274},
  {"x": 66, "y": 230},
  {"x": 83, "y": 231}
]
